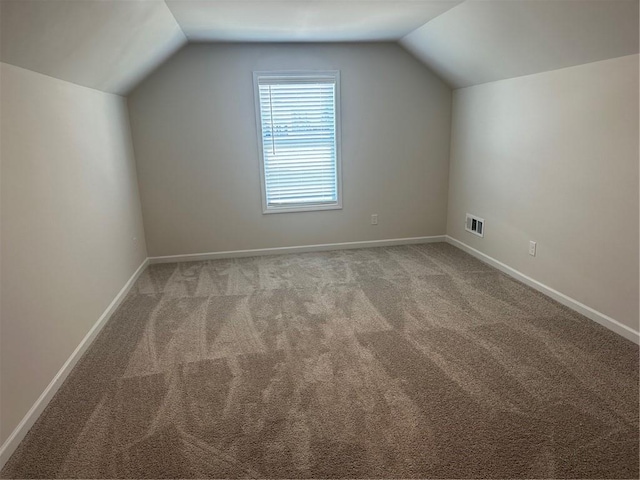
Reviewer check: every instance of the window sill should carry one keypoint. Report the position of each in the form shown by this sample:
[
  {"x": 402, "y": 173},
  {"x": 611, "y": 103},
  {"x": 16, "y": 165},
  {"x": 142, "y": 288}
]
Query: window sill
[{"x": 301, "y": 208}]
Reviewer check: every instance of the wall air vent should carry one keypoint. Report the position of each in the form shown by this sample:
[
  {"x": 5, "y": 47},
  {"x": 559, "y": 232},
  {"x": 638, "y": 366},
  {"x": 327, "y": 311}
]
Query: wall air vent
[{"x": 474, "y": 225}]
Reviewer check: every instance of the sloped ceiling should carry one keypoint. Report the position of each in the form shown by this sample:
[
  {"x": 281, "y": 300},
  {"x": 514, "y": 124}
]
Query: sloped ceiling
[
  {"x": 108, "y": 45},
  {"x": 304, "y": 20},
  {"x": 112, "y": 45},
  {"x": 483, "y": 41}
]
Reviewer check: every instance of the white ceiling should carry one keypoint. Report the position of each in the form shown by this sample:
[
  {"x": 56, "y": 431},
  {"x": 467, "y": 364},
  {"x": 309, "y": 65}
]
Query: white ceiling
[
  {"x": 111, "y": 45},
  {"x": 108, "y": 45},
  {"x": 303, "y": 21},
  {"x": 482, "y": 41}
]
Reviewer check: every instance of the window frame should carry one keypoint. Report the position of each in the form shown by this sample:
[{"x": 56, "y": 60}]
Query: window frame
[{"x": 290, "y": 76}]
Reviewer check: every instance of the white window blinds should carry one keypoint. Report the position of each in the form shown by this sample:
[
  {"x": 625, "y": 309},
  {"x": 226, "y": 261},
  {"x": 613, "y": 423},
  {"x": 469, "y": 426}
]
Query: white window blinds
[{"x": 298, "y": 129}]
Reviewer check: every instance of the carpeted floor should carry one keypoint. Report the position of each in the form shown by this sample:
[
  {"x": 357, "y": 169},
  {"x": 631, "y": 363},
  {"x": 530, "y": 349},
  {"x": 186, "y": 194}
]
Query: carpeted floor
[{"x": 413, "y": 361}]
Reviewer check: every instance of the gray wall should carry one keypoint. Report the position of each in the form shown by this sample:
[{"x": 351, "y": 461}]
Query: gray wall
[
  {"x": 553, "y": 158},
  {"x": 194, "y": 131},
  {"x": 70, "y": 210}
]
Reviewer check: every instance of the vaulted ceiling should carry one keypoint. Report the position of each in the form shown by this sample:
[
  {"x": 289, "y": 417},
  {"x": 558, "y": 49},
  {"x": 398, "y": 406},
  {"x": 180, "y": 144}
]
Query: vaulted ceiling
[
  {"x": 305, "y": 20},
  {"x": 108, "y": 45},
  {"x": 483, "y": 41},
  {"x": 111, "y": 45}
]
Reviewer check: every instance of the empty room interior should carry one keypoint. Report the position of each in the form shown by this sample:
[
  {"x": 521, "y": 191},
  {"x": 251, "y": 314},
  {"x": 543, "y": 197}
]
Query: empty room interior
[{"x": 319, "y": 239}]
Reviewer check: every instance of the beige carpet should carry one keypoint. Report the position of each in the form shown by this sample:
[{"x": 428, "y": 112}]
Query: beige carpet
[{"x": 413, "y": 361}]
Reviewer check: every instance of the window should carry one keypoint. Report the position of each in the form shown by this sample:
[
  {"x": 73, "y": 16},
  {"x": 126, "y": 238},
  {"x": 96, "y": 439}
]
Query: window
[{"x": 299, "y": 132}]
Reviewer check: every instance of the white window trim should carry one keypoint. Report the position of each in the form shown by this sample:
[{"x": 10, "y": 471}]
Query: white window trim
[{"x": 288, "y": 75}]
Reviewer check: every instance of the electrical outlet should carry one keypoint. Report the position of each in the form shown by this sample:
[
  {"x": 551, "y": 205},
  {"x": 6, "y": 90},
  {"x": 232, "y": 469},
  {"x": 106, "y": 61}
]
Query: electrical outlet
[
  {"x": 532, "y": 249},
  {"x": 374, "y": 219}
]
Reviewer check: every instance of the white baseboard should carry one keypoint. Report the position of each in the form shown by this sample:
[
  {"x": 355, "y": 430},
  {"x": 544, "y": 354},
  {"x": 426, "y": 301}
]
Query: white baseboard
[
  {"x": 9, "y": 446},
  {"x": 192, "y": 257},
  {"x": 565, "y": 300}
]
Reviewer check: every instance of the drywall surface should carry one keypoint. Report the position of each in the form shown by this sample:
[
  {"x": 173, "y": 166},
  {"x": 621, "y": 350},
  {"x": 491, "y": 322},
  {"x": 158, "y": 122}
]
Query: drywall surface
[
  {"x": 553, "y": 158},
  {"x": 194, "y": 130},
  {"x": 70, "y": 211},
  {"x": 287, "y": 21},
  {"x": 484, "y": 41},
  {"x": 107, "y": 45}
]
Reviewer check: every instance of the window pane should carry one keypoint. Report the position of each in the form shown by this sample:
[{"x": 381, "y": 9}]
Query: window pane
[{"x": 298, "y": 123}]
